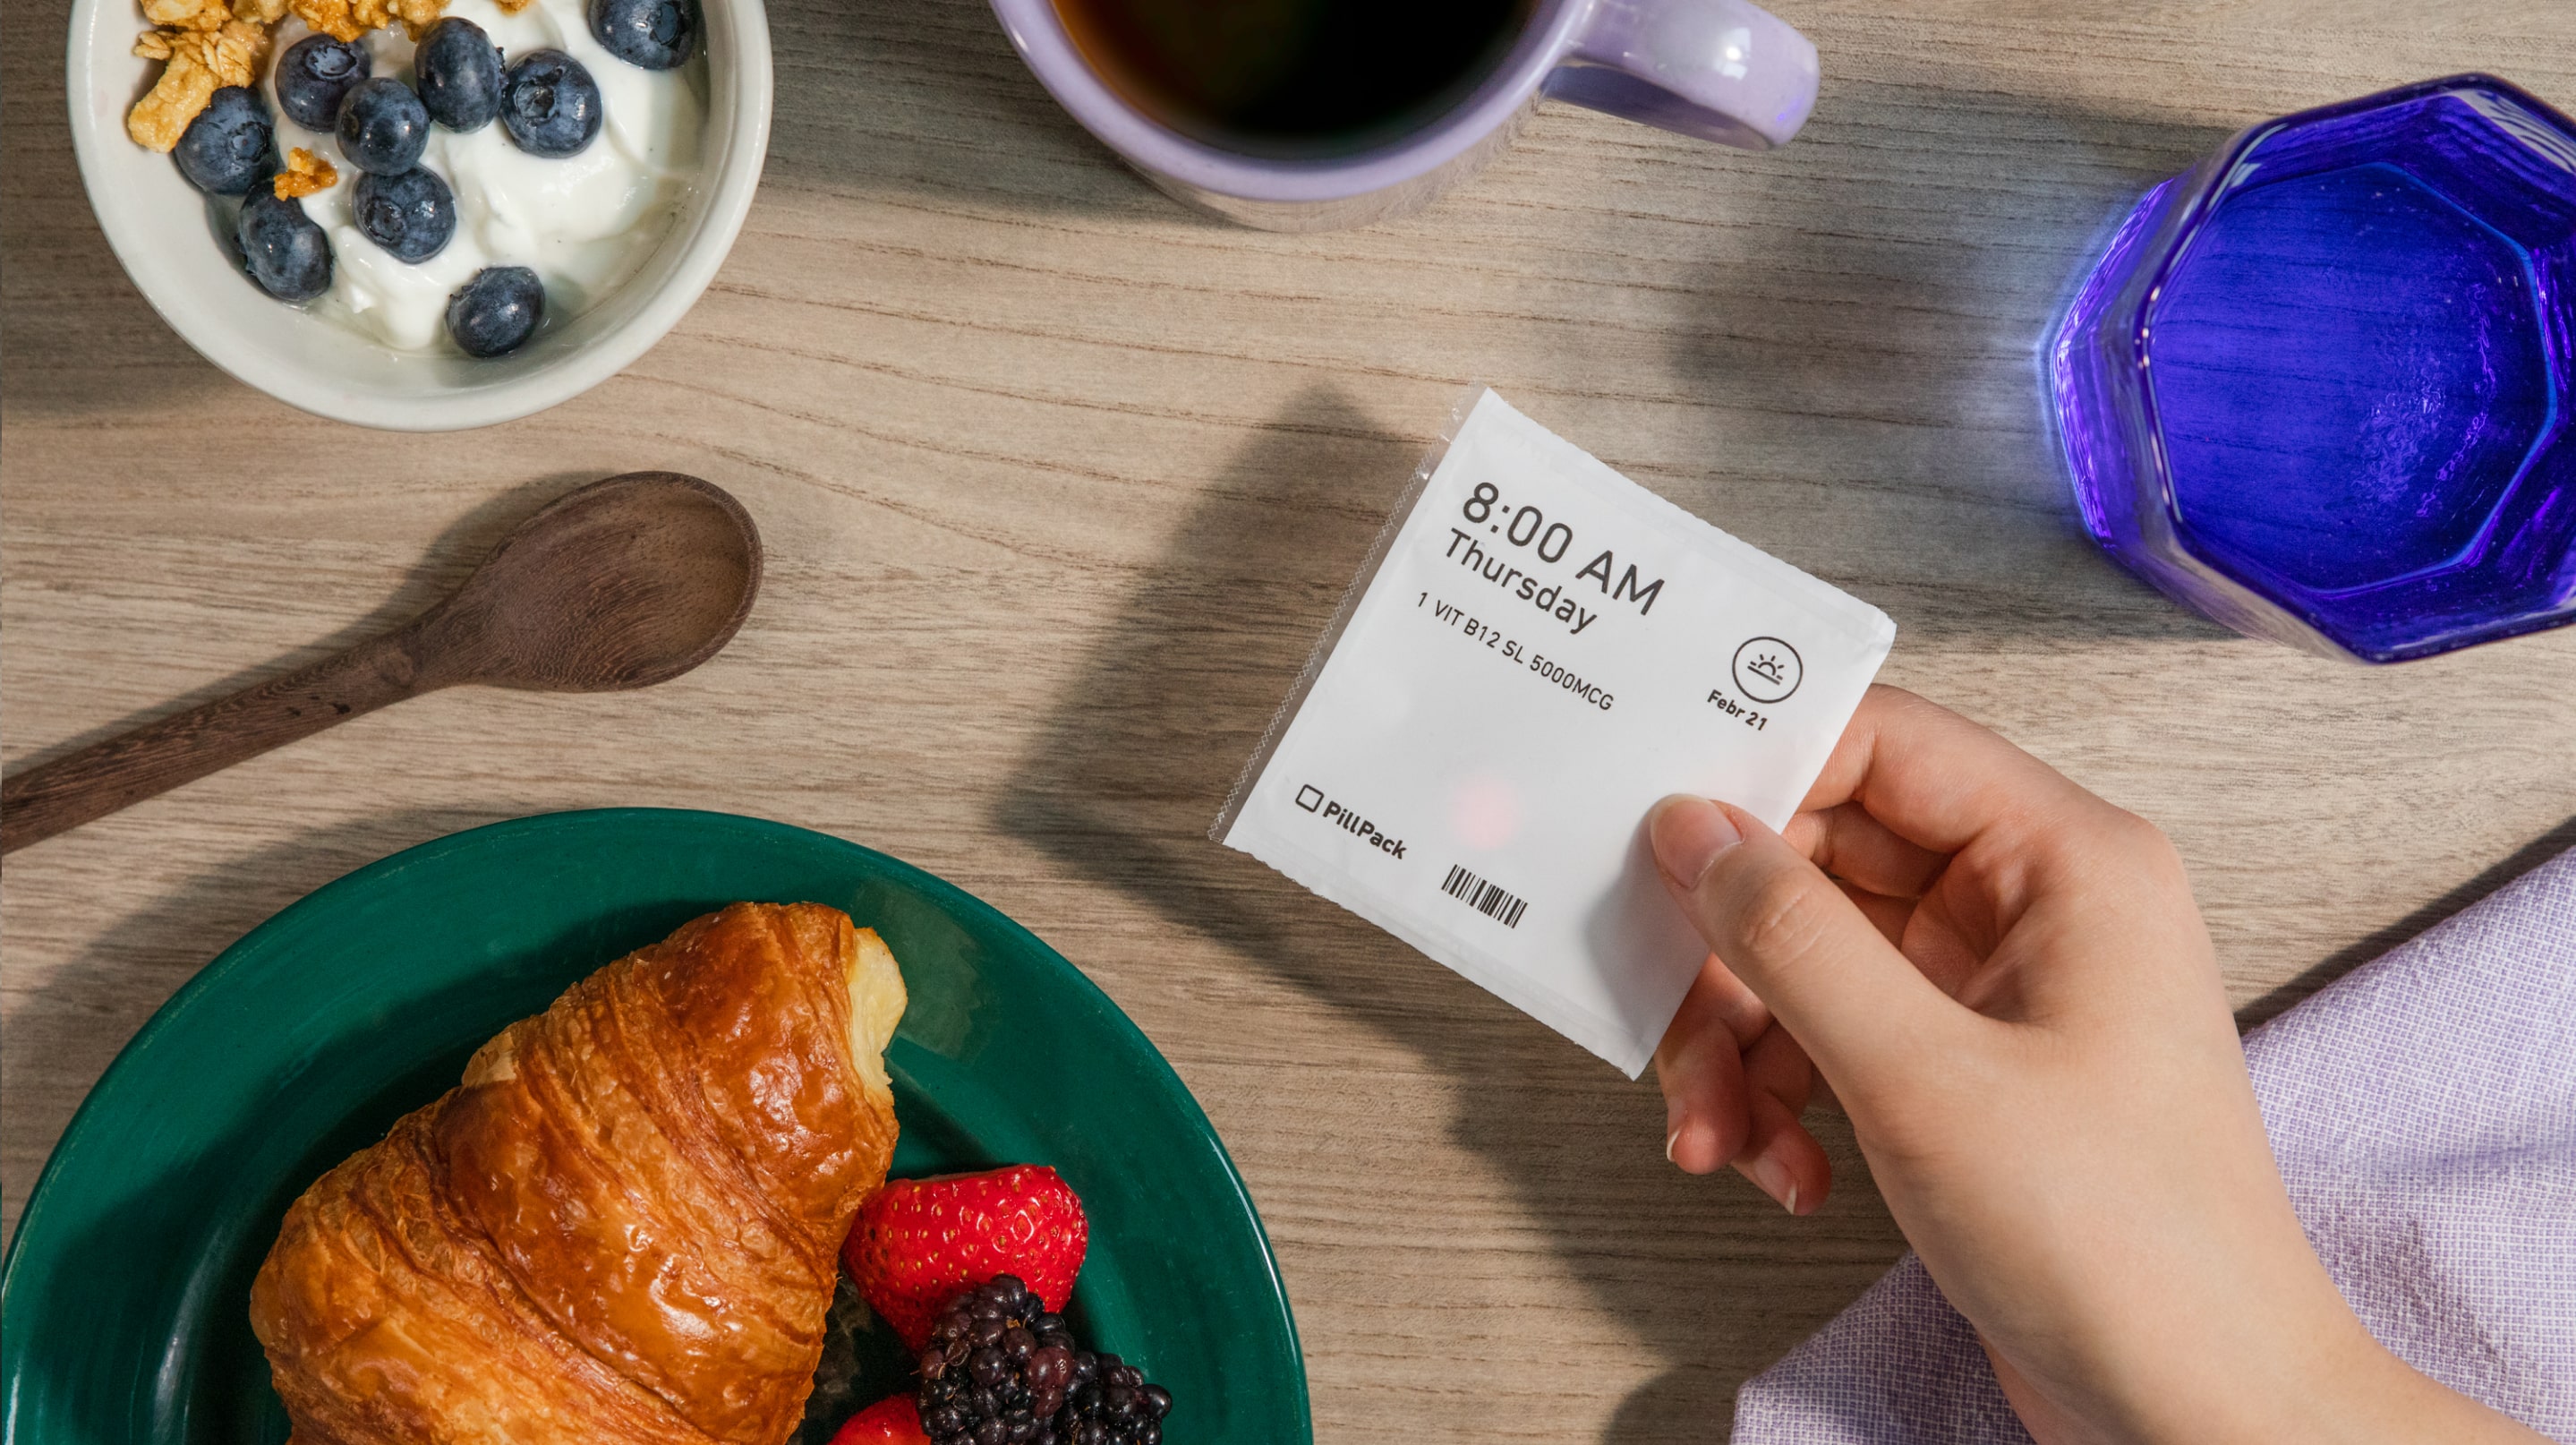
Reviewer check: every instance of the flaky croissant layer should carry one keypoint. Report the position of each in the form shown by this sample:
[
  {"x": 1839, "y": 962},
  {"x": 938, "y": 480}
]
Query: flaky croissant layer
[{"x": 622, "y": 1225}]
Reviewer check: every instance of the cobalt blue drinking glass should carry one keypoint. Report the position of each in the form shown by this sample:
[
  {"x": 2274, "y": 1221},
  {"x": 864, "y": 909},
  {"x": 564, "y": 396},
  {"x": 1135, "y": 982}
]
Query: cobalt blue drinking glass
[{"x": 2317, "y": 385}]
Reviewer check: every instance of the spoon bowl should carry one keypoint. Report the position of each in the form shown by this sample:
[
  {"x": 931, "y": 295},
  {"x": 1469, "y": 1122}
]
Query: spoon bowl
[{"x": 622, "y": 584}]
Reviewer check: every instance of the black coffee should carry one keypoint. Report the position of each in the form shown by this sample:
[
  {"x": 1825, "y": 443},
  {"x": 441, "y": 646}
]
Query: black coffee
[{"x": 1294, "y": 77}]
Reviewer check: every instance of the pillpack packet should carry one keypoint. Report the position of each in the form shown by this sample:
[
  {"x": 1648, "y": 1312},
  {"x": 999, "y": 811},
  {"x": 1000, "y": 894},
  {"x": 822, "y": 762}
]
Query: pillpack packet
[{"x": 1535, "y": 652}]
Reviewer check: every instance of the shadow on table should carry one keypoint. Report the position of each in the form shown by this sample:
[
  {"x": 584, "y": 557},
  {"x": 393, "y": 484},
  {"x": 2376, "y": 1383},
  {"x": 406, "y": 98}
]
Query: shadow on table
[
  {"x": 65, "y": 1034},
  {"x": 1130, "y": 773},
  {"x": 147, "y": 1261},
  {"x": 2380, "y": 940},
  {"x": 1900, "y": 388},
  {"x": 1869, "y": 345}
]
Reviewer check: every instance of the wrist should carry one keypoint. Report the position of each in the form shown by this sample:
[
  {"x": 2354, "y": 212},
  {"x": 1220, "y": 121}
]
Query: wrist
[
  {"x": 2328, "y": 1382},
  {"x": 2371, "y": 1397},
  {"x": 2265, "y": 1354}
]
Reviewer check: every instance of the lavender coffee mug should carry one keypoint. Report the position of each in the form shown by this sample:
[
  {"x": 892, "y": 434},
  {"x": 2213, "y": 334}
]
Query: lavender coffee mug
[{"x": 1719, "y": 70}]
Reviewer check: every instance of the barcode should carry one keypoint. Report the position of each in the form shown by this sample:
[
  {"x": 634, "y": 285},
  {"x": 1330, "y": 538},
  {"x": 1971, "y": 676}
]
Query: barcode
[{"x": 1484, "y": 897}]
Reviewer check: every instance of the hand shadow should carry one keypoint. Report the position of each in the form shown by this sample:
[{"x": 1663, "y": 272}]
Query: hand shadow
[
  {"x": 1907, "y": 412},
  {"x": 1131, "y": 770},
  {"x": 64, "y": 1033}
]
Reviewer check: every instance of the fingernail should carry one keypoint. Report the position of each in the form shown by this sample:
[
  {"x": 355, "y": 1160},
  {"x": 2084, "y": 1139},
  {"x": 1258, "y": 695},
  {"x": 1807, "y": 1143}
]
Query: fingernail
[
  {"x": 1673, "y": 1146},
  {"x": 1772, "y": 1178},
  {"x": 1688, "y": 835}
]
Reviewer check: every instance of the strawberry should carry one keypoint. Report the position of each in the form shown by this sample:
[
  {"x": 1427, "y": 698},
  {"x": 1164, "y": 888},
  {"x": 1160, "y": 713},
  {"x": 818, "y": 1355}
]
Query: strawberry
[
  {"x": 920, "y": 1241},
  {"x": 894, "y": 1420}
]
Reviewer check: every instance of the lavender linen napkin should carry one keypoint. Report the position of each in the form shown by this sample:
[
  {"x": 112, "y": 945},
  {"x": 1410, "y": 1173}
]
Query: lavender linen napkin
[{"x": 2423, "y": 1109}]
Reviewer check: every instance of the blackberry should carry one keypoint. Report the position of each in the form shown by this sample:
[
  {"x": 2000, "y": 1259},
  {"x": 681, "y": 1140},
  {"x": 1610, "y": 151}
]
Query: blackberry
[
  {"x": 1001, "y": 1370},
  {"x": 1113, "y": 1407},
  {"x": 996, "y": 1368}
]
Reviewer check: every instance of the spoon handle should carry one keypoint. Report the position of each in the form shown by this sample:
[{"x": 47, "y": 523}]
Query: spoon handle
[{"x": 99, "y": 779}]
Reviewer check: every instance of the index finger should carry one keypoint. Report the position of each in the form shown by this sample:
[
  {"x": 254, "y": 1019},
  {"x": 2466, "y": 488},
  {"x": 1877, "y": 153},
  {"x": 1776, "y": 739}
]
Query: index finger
[{"x": 1936, "y": 779}]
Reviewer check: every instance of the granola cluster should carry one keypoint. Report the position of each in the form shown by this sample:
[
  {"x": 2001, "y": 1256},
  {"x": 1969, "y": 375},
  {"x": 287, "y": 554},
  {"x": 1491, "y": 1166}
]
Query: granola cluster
[
  {"x": 349, "y": 19},
  {"x": 209, "y": 44},
  {"x": 206, "y": 46},
  {"x": 305, "y": 174}
]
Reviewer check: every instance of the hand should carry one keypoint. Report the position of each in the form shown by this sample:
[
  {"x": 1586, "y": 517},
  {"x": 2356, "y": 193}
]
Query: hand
[{"x": 2004, "y": 982}]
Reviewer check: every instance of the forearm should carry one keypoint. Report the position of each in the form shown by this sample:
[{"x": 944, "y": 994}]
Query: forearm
[
  {"x": 2274, "y": 1357},
  {"x": 2382, "y": 1400},
  {"x": 2337, "y": 1387}
]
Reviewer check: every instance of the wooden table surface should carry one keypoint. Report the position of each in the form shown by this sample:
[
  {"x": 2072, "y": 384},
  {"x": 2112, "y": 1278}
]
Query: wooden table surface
[{"x": 1058, "y": 484}]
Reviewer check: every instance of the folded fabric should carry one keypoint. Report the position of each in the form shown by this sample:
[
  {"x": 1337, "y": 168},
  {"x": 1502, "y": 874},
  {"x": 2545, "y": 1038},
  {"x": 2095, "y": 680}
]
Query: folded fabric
[{"x": 2423, "y": 1109}]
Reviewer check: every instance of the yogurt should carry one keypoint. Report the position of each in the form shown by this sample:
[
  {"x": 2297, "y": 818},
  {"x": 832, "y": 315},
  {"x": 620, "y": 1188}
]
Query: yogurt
[{"x": 584, "y": 223}]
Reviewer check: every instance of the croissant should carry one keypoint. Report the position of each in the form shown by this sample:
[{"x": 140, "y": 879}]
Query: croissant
[{"x": 623, "y": 1226}]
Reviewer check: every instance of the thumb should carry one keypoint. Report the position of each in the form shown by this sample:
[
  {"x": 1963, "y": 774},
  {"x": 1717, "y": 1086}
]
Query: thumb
[{"x": 1859, "y": 1007}]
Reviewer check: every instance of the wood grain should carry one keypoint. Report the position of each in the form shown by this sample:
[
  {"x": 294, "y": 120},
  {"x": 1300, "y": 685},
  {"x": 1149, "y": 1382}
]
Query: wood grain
[
  {"x": 118, "y": 772},
  {"x": 1057, "y": 484},
  {"x": 623, "y": 583}
]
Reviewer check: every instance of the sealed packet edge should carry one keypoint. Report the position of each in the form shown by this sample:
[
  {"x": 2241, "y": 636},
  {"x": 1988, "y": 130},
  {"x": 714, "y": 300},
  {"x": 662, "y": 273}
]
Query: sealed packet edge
[
  {"x": 1619, "y": 1036},
  {"x": 1398, "y": 513}
]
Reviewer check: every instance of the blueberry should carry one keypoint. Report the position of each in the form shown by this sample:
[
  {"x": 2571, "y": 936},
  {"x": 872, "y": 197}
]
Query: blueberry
[
  {"x": 496, "y": 311},
  {"x": 655, "y": 34},
  {"x": 411, "y": 215},
  {"x": 312, "y": 76},
  {"x": 289, "y": 256},
  {"x": 458, "y": 70},
  {"x": 229, "y": 145},
  {"x": 550, "y": 105},
  {"x": 383, "y": 126}
]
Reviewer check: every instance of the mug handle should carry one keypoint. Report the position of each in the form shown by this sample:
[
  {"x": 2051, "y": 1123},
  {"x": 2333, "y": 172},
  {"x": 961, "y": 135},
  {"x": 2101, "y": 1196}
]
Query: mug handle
[{"x": 1720, "y": 70}]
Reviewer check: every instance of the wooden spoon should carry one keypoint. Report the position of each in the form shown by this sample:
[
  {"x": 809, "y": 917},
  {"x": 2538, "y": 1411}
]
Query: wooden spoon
[{"x": 624, "y": 583}]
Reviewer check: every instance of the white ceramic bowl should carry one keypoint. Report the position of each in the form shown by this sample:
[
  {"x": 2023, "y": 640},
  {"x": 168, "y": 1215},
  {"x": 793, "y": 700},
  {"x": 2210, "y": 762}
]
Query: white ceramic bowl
[{"x": 158, "y": 225}]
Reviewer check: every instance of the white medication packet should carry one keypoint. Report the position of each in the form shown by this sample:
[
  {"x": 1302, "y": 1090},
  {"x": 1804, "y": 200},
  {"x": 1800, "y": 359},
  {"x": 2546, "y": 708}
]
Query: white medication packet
[{"x": 1542, "y": 650}]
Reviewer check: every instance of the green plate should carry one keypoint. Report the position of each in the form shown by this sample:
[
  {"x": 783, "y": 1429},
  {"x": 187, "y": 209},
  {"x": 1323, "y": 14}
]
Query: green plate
[{"x": 123, "y": 1314}]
